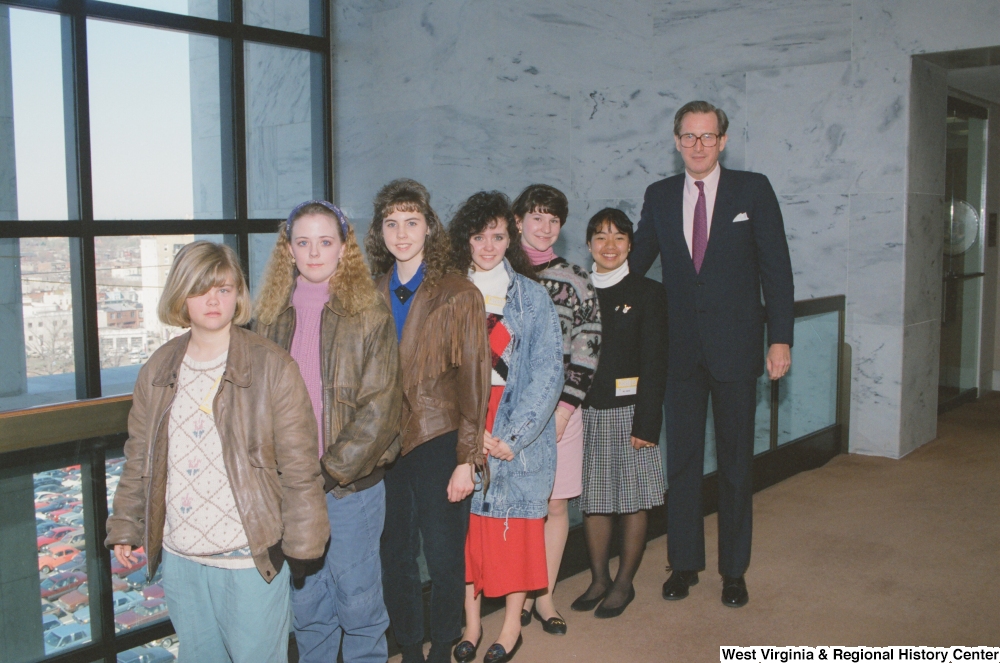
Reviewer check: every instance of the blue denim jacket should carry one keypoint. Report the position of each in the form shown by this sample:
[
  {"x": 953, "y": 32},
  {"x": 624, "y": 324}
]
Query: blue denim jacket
[{"x": 520, "y": 488}]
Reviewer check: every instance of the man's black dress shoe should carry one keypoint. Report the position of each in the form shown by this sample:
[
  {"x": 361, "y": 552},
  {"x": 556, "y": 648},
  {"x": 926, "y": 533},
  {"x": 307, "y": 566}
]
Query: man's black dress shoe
[
  {"x": 608, "y": 613},
  {"x": 497, "y": 654},
  {"x": 554, "y": 625},
  {"x": 586, "y": 605},
  {"x": 676, "y": 586},
  {"x": 734, "y": 592},
  {"x": 465, "y": 651}
]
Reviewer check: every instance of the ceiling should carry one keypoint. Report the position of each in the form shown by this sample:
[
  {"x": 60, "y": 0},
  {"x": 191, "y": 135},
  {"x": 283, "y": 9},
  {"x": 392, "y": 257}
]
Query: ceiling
[{"x": 982, "y": 82}]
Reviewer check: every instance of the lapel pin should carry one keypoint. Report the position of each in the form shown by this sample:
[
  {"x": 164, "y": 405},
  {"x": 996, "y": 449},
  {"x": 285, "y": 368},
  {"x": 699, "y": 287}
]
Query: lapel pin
[{"x": 625, "y": 310}]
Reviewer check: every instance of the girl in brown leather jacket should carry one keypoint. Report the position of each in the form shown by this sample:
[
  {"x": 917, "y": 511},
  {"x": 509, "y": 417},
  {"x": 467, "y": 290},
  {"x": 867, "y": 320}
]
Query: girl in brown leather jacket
[
  {"x": 440, "y": 323},
  {"x": 221, "y": 473},
  {"x": 318, "y": 301}
]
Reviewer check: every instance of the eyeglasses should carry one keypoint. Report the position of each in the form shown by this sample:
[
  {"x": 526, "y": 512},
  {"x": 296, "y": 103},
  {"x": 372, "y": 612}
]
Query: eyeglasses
[{"x": 708, "y": 140}]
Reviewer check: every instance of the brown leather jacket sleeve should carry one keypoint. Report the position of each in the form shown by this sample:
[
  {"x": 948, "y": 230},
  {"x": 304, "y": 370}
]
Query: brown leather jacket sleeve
[
  {"x": 473, "y": 377},
  {"x": 303, "y": 502},
  {"x": 378, "y": 405},
  {"x": 127, "y": 525}
]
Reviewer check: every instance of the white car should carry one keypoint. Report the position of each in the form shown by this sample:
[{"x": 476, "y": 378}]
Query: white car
[{"x": 63, "y": 637}]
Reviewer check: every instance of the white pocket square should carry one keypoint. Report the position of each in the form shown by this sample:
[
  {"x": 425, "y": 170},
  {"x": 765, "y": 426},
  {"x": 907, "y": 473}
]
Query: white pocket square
[{"x": 742, "y": 216}]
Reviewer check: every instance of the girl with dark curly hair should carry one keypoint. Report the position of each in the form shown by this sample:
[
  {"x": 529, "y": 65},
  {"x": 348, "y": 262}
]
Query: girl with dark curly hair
[
  {"x": 505, "y": 547},
  {"x": 445, "y": 363}
]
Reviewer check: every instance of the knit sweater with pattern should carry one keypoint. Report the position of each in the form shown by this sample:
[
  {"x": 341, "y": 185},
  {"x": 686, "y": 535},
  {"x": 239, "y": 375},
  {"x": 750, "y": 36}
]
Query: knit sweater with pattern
[
  {"x": 308, "y": 301},
  {"x": 573, "y": 294},
  {"x": 202, "y": 522}
]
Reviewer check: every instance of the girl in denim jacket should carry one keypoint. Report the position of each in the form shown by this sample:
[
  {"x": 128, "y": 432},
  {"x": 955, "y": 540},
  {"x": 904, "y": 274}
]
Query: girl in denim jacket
[{"x": 505, "y": 547}]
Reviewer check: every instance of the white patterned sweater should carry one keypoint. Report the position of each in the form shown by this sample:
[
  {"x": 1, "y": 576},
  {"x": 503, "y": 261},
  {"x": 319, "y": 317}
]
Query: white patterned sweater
[{"x": 202, "y": 522}]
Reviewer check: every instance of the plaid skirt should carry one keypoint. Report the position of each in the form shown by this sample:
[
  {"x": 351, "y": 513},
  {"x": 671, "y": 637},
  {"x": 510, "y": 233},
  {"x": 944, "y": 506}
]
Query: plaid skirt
[{"x": 616, "y": 477}]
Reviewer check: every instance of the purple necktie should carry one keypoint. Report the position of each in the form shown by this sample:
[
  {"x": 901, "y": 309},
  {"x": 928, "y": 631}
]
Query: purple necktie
[{"x": 699, "y": 234}]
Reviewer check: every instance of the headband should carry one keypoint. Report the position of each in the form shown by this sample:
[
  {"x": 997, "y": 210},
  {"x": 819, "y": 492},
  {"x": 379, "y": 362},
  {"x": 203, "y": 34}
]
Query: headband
[{"x": 330, "y": 206}]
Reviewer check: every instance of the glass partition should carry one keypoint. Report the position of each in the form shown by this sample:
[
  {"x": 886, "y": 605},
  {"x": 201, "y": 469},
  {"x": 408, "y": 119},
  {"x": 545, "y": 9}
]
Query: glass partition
[{"x": 807, "y": 395}]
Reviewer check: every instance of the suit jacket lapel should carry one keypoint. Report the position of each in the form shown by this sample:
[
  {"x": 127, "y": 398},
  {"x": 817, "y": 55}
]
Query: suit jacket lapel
[{"x": 722, "y": 213}]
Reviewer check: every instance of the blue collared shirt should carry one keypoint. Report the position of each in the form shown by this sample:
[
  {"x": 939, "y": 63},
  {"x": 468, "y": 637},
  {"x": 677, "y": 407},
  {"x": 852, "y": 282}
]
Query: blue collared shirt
[{"x": 402, "y": 309}]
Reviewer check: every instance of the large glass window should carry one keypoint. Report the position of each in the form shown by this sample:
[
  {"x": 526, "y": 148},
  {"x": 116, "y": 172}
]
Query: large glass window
[{"x": 155, "y": 107}]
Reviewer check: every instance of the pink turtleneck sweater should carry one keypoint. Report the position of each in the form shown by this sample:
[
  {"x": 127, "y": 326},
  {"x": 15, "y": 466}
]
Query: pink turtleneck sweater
[
  {"x": 309, "y": 300},
  {"x": 538, "y": 257}
]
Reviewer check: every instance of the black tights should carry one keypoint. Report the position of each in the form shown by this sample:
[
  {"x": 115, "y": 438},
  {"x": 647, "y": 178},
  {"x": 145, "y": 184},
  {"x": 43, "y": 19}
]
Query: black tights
[{"x": 598, "y": 528}]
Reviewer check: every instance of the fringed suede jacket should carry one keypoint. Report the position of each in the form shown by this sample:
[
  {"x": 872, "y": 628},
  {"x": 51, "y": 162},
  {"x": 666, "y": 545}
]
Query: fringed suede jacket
[{"x": 444, "y": 358}]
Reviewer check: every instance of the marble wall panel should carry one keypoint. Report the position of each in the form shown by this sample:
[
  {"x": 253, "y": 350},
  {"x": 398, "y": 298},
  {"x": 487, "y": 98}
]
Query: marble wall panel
[
  {"x": 922, "y": 26},
  {"x": 828, "y": 128},
  {"x": 278, "y": 85},
  {"x": 572, "y": 243},
  {"x": 928, "y": 137},
  {"x": 818, "y": 232},
  {"x": 290, "y": 15},
  {"x": 925, "y": 216},
  {"x": 557, "y": 46},
  {"x": 623, "y": 136},
  {"x": 919, "y": 393},
  {"x": 766, "y": 34},
  {"x": 876, "y": 392},
  {"x": 876, "y": 261}
]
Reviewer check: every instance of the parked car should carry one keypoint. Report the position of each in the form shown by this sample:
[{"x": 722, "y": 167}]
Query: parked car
[
  {"x": 61, "y": 583},
  {"x": 54, "y": 534},
  {"x": 72, "y": 601},
  {"x": 146, "y": 655},
  {"x": 49, "y": 622},
  {"x": 120, "y": 601},
  {"x": 154, "y": 591},
  {"x": 67, "y": 635},
  {"x": 60, "y": 515},
  {"x": 78, "y": 563},
  {"x": 50, "y": 608},
  {"x": 55, "y": 555},
  {"x": 74, "y": 519},
  {"x": 144, "y": 613},
  {"x": 75, "y": 538}
]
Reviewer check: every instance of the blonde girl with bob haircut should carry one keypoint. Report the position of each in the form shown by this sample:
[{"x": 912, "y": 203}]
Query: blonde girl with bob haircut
[
  {"x": 319, "y": 303},
  {"x": 221, "y": 481},
  {"x": 440, "y": 323}
]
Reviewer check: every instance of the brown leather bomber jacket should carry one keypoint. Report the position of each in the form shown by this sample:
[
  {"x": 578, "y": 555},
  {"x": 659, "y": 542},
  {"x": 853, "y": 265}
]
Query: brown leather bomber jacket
[
  {"x": 268, "y": 432},
  {"x": 362, "y": 395},
  {"x": 445, "y": 360}
]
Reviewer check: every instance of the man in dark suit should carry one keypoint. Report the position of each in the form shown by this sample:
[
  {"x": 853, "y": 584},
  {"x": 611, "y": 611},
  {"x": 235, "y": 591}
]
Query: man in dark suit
[{"x": 722, "y": 243}]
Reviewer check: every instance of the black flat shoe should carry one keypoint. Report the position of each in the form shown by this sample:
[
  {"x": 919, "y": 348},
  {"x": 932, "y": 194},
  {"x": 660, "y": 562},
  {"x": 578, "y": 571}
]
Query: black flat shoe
[
  {"x": 676, "y": 586},
  {"x": 734, "y": 592},
  {"x": 497, "y": 654},
  {"x": 465, "y": 651},
  {"x": 608, "y": 613},
  {"x": 556, "y": 625},
  {"x": 525, "y": 617},
  {"x": 586, "y": 605}
]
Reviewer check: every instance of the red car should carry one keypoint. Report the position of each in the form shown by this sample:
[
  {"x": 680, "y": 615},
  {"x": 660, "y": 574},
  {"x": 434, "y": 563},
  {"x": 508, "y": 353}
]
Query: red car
[
  {"x": 62, "y": 583},
  {"x": 138, "y": 562},
  {"x": 144, "y": 613},
  {"x": 54, "y": 535},
  {"x": 154, "y": 591},
  {"x": 56, "y": 554}
]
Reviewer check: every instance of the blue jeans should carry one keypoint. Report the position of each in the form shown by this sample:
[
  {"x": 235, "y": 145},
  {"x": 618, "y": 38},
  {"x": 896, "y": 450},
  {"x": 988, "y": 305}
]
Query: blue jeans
[
  {"x": 225, "y": 615},
  {"x": 345, "y": 596}
]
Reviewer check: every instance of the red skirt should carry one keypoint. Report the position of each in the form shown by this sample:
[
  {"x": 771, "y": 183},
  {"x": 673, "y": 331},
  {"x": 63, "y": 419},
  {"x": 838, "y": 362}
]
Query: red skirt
[{"x": 505, "y": 555}]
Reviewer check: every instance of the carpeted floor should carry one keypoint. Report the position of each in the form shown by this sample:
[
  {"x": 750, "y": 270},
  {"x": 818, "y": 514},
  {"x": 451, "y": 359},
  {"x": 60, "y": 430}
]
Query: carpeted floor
[{"x": 863, "y": 551}]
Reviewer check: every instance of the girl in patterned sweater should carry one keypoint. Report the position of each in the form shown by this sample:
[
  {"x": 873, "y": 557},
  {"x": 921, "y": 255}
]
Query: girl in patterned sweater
[{"x": 541, "y": 212}]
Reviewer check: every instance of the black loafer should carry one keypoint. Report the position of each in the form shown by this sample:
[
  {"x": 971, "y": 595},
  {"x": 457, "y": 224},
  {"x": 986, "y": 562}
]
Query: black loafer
[
  {"x": 497, "y": 654},
  {"x": 556, "y": 625},
  {"x": 525, "y": 617},
  {"x": 676, "y": 586},
  {"x": 734, "y": 592},
  {"x": 608, "y": 613},
  {"x": 465, "y": 651},
  {"x": 586, "y": 605}
]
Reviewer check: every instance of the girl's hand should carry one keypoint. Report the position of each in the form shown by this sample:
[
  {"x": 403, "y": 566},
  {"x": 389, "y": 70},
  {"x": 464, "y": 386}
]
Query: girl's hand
[
  {"x": 501, "y": 450},
  {"x": 123, "y": 553},
  {"x": 462, "y": 482},
  {"x": 640, "y": 444},
  {"x": 562, "y": 420}
]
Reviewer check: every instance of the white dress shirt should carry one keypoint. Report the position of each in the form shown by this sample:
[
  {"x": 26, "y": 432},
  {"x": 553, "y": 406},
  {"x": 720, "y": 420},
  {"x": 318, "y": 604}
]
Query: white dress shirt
[{"x": 691, "y": 199}]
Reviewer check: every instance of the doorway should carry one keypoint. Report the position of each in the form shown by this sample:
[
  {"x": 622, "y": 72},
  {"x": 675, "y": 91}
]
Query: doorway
[{"x": 963, "y": 269}]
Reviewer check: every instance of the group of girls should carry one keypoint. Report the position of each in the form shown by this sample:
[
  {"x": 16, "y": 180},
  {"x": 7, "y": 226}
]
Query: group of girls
[{"x": 452, "y": 405}]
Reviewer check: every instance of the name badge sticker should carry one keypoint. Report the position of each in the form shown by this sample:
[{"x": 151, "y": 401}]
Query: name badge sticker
[
  {"x": 496, "y": 301},
  {"x": 626, "y": 386}
]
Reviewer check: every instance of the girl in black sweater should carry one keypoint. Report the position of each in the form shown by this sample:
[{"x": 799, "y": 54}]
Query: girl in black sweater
[{"x": 622, "y": 415}]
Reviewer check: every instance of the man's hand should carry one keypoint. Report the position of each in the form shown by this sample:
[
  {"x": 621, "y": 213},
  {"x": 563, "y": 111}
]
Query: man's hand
[
  {"x": 461, "y": 483},
  {"x": 640, "y": 444},
  {"x": 779, "y": 360},
  {"x": 562, "y": 420}
]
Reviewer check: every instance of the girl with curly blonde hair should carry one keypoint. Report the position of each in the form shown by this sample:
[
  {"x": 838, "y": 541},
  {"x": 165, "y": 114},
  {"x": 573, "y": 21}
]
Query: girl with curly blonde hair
[{"x": 319, "y": 303}]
